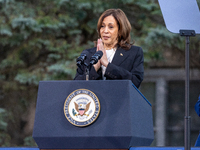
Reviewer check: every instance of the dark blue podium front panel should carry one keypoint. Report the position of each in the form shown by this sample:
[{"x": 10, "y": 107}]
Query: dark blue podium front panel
[{"x": 125, "y": 117}]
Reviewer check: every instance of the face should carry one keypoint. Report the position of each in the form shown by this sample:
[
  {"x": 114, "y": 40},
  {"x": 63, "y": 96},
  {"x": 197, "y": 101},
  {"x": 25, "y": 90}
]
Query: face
[{"x": 109, "y": 32}]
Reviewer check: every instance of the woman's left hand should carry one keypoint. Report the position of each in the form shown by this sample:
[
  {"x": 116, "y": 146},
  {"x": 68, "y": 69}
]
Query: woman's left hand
[{"x": 103, "y": 60}]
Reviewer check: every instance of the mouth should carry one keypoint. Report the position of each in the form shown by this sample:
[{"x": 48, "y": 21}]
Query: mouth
[{"x": 106, "y": 37}]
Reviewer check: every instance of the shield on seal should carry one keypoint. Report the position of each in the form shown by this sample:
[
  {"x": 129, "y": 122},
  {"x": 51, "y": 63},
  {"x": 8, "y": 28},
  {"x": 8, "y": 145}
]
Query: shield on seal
[{"x": 81, "y": 111}]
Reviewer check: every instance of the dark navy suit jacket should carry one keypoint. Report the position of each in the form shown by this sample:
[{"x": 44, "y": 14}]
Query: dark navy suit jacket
[{"x": 126, "y": 65}]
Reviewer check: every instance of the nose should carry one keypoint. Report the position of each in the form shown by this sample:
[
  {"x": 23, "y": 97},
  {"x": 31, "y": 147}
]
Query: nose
[{"x": 106, "y": 29}]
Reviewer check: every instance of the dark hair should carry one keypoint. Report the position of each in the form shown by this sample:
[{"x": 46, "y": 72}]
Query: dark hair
[{"x": 123, "y": 25}]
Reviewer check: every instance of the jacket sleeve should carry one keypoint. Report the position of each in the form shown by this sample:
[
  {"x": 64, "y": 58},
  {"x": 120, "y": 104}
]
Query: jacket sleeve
[
  {"x": 197, "y": 107},
  {"x": 135, "y": 74}
]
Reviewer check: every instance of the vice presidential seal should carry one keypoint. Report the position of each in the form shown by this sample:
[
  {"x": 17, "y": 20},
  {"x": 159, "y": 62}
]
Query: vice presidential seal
[{"x": 81, "y": 107}]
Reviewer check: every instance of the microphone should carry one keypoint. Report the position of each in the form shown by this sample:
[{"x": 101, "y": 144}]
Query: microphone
[
  {"x": 94, "y": 59},
  {"x": 80, "y": 59}
]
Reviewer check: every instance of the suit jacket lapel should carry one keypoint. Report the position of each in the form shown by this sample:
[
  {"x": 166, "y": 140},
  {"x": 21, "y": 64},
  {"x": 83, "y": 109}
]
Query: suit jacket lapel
[{"x": 120, "y": 56}]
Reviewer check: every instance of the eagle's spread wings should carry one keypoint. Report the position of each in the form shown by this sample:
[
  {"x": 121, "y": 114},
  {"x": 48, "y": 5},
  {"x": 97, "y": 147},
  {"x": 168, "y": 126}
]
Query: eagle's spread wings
[
  {"x": 87, "y": 107},
  {"x": 76, "y": 106}
]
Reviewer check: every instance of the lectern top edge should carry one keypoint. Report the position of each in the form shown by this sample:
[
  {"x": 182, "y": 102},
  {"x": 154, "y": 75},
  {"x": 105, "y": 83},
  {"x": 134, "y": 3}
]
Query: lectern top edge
[{"x": 90, "y": 81}]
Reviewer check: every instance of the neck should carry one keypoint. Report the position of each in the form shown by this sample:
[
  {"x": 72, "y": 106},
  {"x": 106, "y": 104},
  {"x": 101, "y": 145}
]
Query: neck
[{"x": 107, "y": 47}]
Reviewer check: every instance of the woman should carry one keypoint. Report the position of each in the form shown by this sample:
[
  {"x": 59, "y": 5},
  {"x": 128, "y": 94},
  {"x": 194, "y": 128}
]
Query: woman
[
  {"x": 120, "y": 60},
  {"x": 197, "y": 109}
]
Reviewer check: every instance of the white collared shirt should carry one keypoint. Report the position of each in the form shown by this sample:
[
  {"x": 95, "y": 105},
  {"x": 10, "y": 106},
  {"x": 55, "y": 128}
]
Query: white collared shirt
[{"x": 110, "y": 54}]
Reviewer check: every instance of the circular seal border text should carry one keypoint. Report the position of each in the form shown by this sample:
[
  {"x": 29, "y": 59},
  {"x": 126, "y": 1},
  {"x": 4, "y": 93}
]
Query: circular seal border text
[{"x": 84, "y": 98}]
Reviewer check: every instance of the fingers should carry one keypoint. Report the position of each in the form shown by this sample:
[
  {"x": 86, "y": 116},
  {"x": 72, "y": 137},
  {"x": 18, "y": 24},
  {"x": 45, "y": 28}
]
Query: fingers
[{"x": 100, "y": 45}]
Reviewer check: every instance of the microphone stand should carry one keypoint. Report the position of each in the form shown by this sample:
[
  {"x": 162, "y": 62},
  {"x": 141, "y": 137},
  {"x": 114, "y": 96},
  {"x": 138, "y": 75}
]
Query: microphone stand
[{"x": 86, "y": 71}]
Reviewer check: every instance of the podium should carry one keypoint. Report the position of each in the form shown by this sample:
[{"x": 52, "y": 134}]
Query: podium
[{"x": 125, "y": 117}]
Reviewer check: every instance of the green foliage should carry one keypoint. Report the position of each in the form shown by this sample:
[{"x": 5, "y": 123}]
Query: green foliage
[
  {"x": 3, "y": 123},
  {"x": 4, "y": 136},
  {"x": 27, "y": 78},
  {"x": 158, "y": 39},
  {"x": 29, "y": 141}
]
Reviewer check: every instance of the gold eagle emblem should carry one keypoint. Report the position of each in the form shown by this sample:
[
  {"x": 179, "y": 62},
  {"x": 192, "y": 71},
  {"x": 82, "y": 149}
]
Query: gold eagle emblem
[{"x": 82, "y": 109}]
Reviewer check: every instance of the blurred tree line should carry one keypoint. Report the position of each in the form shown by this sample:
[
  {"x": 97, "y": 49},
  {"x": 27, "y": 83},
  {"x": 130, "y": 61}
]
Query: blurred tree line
[{"x": 41, "y": 39}]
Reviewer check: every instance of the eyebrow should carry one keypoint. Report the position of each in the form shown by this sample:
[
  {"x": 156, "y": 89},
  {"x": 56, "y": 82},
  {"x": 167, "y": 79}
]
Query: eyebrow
[{"x": 109, "y": 23}]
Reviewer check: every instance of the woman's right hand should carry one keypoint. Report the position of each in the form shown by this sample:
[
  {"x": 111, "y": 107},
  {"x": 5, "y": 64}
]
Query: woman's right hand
[{"x": 99, "y": 47}]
